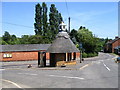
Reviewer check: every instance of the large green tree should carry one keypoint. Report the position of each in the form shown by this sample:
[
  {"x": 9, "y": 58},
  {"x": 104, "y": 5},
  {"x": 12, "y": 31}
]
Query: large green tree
[
  {"x": 44, "y": 19},
  {"x": 88, "y": 40},
  {"x": 9, "y": 39},
  {"x": 6, "y": 37},
  {"x": 25, "y": 39},
  {"x": 60, "y": 19},
  {"x": 55, "y": 19},
  {"x": 38, "y": 20},
  {"x": 73, "y": 35}
]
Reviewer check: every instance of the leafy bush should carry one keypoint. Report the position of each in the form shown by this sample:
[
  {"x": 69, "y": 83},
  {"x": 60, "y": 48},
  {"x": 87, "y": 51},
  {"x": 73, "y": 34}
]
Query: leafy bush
[
  {"x": 84, "y": 55},
  {"x": 92, "y": 54}
]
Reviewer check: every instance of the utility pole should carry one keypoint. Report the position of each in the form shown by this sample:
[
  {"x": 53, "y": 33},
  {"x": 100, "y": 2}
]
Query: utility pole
[
  {"x": 69, "y": 24},
  {"x": 80, "y": 56},
  {"x": 80, "y": 46}
]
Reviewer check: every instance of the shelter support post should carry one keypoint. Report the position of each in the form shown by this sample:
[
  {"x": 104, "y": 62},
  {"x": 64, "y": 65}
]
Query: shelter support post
[
  {"x": 70, "y": 56},
  {"x": 74, "y": 56},
  {"x": 41, "y": 59},
  {"x": 38, "y": 59},
  {"x": 44, "y": 59},
  {"x": 66, "y": 56}
]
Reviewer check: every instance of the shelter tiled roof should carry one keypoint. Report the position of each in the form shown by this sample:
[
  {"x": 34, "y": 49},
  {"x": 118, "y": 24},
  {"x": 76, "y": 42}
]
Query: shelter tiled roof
[{"x": 62, "y": 44}]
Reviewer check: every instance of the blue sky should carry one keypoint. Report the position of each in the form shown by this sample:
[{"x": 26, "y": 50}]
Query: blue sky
[{"x": 99, "y": 17}]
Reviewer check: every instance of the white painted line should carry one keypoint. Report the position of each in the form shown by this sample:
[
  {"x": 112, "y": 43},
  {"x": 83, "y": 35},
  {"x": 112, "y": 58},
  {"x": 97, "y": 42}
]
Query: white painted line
[
  {"x": 106, "y": 66},
  {"x": 84, "y": 66},
  {"x": 28, "y": 74},
  {"x": 12, "y": 83},
  {"x": 2, "y": 69},
  {"x": 66, "y": 77}
]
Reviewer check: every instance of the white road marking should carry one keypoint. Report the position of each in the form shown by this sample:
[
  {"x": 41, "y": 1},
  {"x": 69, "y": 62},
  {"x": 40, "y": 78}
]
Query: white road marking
[
  {"x": 106, "y": 66},
  {"x": 2, "y": 69},
  {"x": 66, "y": 77},
  {"x": 28, "y": 74},
  {"x": 85, "y": 66},
  {"x": 12, "y": 83}
]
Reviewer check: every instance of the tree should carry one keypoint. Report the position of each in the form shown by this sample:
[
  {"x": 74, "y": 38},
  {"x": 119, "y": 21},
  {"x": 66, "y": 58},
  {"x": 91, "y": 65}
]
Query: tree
[
  {"x": 88, "y": 40},
  {"x": 14, "y": 40},
  {"x": 44, "y": 28},
  {"x": 35, "y": 39},
  {"x": 6, "y": 37},
  {"x": 52, "y": 20},
  {"x": 24, "y": 39},
  {"x": 73, "y": 36},
  {"x": 9, "y": 39},
  {"x": 60, "y": 19},
  {"x": 55, "y": 19},
  {"x": 38, "y": 20},
  {"x": 2, "y": 42},
  {"x": 44, "y": 19}
]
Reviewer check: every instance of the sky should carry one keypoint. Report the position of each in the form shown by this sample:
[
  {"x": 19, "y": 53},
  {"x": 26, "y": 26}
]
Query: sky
[{"x": 99, "y": 17}]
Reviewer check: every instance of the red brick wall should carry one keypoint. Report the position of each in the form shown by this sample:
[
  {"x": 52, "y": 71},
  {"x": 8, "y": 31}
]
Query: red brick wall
[
  {"x": 47, "y": 56},
  {"x": 77, "y": 55},
  {"x": 22, "y": 56},
  {"x": 115, "y": 44},
  {"x": 16, "y": 56}
]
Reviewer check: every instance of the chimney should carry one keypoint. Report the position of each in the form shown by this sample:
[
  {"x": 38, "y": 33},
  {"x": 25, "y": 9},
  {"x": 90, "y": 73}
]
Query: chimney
[
  {"x": 69, "y": 24},
  {"x": 116, "y": 37}
]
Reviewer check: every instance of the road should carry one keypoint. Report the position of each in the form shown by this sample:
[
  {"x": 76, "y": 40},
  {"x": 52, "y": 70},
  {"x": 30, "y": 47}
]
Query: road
[{"x": 97, "y": 72}]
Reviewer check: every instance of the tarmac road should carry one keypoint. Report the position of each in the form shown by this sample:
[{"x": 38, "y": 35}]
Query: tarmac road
[{"x": 97, "y": 72}]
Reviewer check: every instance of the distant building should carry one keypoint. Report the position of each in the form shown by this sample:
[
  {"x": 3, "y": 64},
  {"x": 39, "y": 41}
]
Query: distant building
[{"x": 113, "y": 46}]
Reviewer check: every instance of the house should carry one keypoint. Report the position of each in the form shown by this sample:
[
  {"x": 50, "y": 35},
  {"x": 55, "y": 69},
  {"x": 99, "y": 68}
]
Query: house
[{"x": 113, "y": 46}]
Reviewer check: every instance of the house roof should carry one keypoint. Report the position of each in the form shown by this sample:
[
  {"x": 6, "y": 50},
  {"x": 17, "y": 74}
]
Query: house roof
[
  {"x": 24, "y": 47},
  {"x": 112, "y": 41},
  {"x": 62, "y": 44}
]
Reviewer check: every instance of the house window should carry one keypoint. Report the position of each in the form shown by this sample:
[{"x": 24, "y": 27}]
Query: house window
[{"x": 7, "y": 55}]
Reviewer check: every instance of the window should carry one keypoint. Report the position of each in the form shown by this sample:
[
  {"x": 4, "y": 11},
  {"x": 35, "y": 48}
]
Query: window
[
  {"x": 60, "y": 27},
  {"x": 63, "y": 27},
  {"x": 7, "y": 55}
]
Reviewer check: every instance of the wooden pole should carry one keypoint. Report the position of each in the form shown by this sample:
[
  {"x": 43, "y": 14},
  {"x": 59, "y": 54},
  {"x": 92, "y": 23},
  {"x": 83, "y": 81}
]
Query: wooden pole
[{"x": 80, "y": 56}]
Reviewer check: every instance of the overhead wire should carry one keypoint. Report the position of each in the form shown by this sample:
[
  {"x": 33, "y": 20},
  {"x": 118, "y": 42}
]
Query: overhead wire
[
  {"x": 17, "y": 25},
  {"x": 67, "y": 8}
]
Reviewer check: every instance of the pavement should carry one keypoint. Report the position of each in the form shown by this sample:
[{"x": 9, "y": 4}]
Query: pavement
[{"x": 95, "y": 72}]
